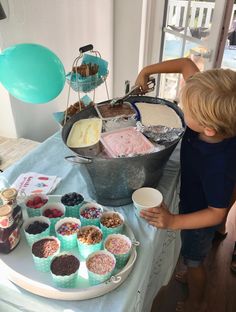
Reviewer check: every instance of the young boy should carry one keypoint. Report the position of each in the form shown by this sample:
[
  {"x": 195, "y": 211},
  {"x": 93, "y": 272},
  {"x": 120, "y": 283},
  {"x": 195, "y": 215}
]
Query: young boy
[{"x": 208, "y": 153}]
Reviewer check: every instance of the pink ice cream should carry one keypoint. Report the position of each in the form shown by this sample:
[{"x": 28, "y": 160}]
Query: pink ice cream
[{"x": 126, "y": 142}]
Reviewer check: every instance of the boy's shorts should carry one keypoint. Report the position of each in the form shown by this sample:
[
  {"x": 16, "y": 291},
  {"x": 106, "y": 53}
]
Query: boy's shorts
[{"x": 196, "y": 244}]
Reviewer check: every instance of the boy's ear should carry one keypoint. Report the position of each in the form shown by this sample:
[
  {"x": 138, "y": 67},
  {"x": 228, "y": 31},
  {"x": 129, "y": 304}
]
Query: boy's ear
[{"x": 209, "y": 132}]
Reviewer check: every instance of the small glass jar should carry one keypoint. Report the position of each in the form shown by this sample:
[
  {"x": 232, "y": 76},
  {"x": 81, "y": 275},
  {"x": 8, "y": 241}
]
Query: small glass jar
[
  {"x": 11, "y": 220},
  {"x": 9, "y": 229},
  {"x": 8, "y": 197}
]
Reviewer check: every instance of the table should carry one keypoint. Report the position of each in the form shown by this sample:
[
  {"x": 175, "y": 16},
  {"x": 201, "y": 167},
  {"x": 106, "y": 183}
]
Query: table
[{"x": 157, "y": 254}]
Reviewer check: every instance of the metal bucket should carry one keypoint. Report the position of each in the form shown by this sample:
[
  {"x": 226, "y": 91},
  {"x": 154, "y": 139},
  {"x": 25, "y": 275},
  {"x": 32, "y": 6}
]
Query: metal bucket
[{"x": 112, "y": 181}]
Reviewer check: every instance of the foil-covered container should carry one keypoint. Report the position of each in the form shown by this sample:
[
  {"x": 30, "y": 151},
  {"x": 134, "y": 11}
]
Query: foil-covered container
[{"x": 160, "y": 134}]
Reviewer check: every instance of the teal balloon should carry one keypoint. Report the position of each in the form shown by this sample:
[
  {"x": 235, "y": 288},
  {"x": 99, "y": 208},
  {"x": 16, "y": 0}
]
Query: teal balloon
[{"x": 32, "y": 73}]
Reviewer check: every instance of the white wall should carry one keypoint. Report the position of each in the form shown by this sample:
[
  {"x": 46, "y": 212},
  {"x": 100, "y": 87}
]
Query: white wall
[
  {"x": 127, "y": 26},
  {"x": 63, "y": 26}
]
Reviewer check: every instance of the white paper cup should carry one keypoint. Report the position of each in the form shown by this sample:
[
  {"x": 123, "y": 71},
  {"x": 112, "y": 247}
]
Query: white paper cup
[{"x": 146, "y": 197}]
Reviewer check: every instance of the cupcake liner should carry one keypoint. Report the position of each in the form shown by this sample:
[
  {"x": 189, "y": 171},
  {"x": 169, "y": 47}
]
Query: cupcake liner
[
  {"x": 86, "y": 249},
  {"x": 73, "y": 211},
  {"x": 85, "y": 221},
  {"x": 66, "y": 281},
  {"x": 43, "y": 264},
  {"x": 34, "y": 212},
  {"x": 112, "y": 230},
  {"x": 68, "y": 242},
  {"x": 53, "y": 221},
  {"x": 121, "y": 259},
  {"x": 31, "y": 238},
  {"x": 94, "y": 278}
]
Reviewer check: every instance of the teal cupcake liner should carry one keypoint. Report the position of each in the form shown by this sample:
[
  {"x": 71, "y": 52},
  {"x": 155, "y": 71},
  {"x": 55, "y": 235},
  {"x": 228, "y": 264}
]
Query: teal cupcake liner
[
  {"x": 53, "y": 221},
  {"x": 85, "y": 221},
  {"x": 112, "y": 230},
  {"x": 31, "y": 238},
  {"x": 94, "y": 278},
  {"x": 66, "y": 281},
  {"x": 34, "y": 212},
  {"x": 68, "y": 242},
  {"x": 121, "y": 259},
  {"x": 73, "y": 211},
  {"x": 86, "y": 249},
  {"x": 43, "y": 264}
]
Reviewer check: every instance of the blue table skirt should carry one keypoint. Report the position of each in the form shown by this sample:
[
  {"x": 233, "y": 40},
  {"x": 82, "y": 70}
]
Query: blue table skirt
[{"x": 157, "y": 254}]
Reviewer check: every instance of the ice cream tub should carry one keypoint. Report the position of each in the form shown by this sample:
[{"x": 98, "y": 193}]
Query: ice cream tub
[
  {"x": 84, "y": 136},
  {"x": 107, "y": 111},
  {"x": 126, "y": 142}
]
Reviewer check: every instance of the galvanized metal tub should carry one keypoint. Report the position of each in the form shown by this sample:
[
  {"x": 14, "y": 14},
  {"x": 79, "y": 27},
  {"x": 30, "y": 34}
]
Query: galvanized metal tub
[{"x": 112, "y": 181}]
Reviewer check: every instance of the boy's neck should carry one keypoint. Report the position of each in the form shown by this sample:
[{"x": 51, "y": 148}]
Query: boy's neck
[{"x": 210, "y": 139}]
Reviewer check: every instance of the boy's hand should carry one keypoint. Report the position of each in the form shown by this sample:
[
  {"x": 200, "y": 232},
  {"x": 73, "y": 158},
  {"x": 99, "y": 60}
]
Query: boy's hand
[
  {"x": 159, "y": 217},
  {"x": 142, "y": 81}
]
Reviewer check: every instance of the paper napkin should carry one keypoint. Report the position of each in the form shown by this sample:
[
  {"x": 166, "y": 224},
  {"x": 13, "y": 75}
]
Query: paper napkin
[{"x": 35, "y": 183}]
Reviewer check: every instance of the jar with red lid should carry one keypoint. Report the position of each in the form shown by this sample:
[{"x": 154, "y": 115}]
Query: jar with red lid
[
  {"x": 9, "y": 229},
  {"x": 9, "y": 197},
  {"x": 10, "y": 220}
]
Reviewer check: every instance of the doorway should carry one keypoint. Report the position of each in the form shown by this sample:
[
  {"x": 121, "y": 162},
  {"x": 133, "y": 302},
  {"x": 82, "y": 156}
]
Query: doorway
[{"x": 204, "y": 31}]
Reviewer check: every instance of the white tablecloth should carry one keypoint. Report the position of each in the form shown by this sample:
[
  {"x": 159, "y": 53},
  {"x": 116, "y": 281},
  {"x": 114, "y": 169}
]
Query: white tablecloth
[{"x": 157, "y": 254}]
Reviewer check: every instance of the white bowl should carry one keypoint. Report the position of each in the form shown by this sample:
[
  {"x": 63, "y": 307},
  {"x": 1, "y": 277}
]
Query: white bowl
[{"x": 146, "y": 197}]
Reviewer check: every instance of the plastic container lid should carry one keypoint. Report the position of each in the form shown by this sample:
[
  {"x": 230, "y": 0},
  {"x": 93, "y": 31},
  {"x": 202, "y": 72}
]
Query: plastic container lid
[
  {"x": 9, "y": 194},
  {"x": 5, "y": 210}
]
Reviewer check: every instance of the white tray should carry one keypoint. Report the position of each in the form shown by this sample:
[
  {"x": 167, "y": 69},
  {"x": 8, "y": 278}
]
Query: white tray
[{"x": 19, "y": 268}]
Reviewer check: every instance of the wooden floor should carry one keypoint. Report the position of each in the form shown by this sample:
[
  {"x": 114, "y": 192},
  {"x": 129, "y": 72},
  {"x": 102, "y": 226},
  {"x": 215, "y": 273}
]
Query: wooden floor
[
  {"x": 12, "y": 150},
  {"x": 221, "y": 288}
]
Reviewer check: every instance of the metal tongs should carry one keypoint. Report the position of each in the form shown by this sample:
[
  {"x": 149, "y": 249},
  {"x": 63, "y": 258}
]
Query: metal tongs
[{"x": 136, "y": 90}]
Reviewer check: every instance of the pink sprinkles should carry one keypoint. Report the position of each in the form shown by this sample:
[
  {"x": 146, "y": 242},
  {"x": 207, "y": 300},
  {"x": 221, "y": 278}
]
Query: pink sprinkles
[
  {"x": 118, "y": 245},
  {"x": 91, "y": 213},
  {"x": 101, "y": 264}
]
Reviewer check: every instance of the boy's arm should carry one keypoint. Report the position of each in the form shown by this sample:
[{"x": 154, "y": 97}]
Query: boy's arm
[
  {"x": 204, "y": 218},
  {"x": 184, "y": 66},
  {"x": 163, "y": 219}
]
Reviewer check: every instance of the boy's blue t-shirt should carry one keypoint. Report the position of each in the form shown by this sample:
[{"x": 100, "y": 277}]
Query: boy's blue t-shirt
[{"x": 208, "y": 172}]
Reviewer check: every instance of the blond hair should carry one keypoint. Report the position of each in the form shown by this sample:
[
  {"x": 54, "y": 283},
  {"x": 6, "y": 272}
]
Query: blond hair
[{"x": 210, "y": 98}]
